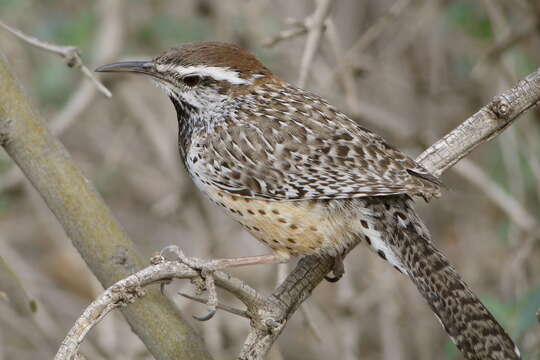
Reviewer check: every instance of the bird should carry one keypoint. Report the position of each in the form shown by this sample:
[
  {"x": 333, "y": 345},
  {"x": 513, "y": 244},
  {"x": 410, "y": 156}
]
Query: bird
[{"x": 304, "y": 178}]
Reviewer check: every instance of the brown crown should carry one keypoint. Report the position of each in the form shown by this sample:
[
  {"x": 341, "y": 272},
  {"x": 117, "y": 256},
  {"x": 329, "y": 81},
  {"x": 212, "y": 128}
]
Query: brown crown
[{"x": 213, "y": 54}]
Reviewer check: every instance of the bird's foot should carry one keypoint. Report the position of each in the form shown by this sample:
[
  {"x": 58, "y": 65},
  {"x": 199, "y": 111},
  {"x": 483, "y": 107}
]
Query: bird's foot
[
  {"x": 338, "y": 269},
  {"x": 206, "y": 268}
]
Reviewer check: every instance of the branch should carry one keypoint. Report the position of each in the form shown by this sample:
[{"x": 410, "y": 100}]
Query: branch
[
  {"x": 124, "y": 292},
  {"x": 127, "y": 290},
  {"x": 106, "y": 46},
  {"x": 482, "y": 126},
  {"x": 12, "y": 291},
  {"x": 316, "y": 25},
  {"x": 510, "y": 205},
  {"x": 95, "y": 233},
  {"x": 70, "y": 54},
  {"x": 298, "y": 28}
]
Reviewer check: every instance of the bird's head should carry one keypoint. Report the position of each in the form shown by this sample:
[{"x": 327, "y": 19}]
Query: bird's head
[{"x": 200, "y": 75}]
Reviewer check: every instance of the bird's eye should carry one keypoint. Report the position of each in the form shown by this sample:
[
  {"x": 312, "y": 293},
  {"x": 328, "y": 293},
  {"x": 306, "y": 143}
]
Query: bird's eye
[{"x": 191, "y": 80}]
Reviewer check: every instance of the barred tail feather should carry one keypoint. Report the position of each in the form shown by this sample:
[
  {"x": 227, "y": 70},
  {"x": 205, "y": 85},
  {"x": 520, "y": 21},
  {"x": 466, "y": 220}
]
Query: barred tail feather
[{"x": 470, "y": 325}]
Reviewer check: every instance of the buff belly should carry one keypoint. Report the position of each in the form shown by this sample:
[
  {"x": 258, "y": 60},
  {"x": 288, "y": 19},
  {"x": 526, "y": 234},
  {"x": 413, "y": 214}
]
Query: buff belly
[{"x": 288, "y": 228}]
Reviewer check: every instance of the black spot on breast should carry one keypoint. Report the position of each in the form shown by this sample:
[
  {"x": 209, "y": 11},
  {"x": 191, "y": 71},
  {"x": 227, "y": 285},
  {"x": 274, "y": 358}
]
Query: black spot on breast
[
  {"x": 381, "y": 254},
  {"x": 342, "y": 150},
  {"x": 236, "y": 175},
  {"x": 262, "y": 212},
  {"x": 368, "y": 240}
]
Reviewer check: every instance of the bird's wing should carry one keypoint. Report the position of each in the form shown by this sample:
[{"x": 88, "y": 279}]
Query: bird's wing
[{"x": 297, "y": 149}]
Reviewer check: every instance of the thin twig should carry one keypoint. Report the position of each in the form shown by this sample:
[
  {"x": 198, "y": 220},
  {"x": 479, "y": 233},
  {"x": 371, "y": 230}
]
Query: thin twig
[
  {"x": 299, "y": 28},
  {"x": 70, "y": 54},
  {"x": 221, "y": 306},
  {"x": 107, "y": 44},
  {"x": 482, "y": 126},
  {"x": 372, "y": 33},
  {"x": 316, "y": 25},
  {"x": 513, "y": 209}
]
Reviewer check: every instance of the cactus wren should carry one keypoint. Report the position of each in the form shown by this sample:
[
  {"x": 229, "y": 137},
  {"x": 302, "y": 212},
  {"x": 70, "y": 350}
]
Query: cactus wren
[{"x": 304, "y": 178}]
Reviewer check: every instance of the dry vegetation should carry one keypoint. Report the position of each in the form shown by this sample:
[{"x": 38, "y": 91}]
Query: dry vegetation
[{"x": 410, "y": 70}]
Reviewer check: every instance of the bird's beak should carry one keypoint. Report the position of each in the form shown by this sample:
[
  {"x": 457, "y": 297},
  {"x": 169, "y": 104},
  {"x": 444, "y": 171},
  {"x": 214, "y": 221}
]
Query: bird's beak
[{"x": 142, "y": 67}]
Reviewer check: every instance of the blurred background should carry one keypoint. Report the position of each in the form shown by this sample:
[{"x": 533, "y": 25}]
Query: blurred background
[{"x": 410, "y": 70}]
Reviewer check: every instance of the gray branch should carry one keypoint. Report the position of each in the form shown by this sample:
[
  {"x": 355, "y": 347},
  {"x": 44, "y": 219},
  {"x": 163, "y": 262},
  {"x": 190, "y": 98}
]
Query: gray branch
[
  {"x": 70, "y": 54},
  {"x": 95, "y": 233}
]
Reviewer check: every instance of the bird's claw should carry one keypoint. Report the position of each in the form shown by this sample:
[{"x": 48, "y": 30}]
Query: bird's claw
[
  {"x": 163, "y": 284},
  {"x": 205, "y": 317},
  {"x": 338, "y": 269},
  {"x": 210, "y": 286},
  {"x": 332, "y": 279},
  {"x": 206, "y": 270}
]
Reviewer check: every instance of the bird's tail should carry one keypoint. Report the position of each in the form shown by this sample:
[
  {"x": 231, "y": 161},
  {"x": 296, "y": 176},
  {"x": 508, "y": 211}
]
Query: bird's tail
[{"x": 469, "y": 324}]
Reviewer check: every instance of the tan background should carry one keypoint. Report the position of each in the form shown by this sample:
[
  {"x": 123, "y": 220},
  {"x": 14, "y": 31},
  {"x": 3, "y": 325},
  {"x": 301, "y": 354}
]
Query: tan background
[{"x": 429, "y": 65}]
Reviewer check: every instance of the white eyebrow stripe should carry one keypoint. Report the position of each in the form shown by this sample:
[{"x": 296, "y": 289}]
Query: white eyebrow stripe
[{"x": 217, "y": 73}]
